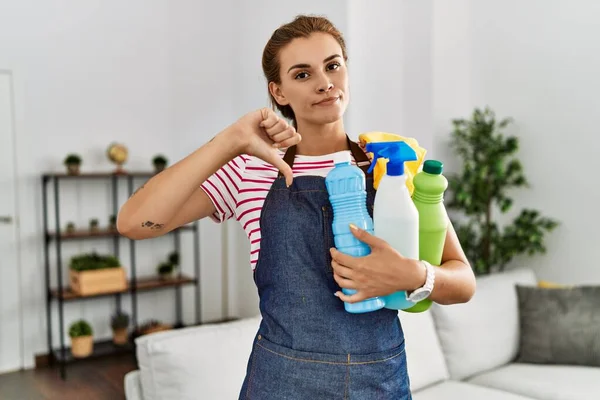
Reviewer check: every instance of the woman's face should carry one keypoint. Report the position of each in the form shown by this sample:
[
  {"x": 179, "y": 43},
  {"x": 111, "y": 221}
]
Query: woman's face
[{"x": 314, "y": 79}]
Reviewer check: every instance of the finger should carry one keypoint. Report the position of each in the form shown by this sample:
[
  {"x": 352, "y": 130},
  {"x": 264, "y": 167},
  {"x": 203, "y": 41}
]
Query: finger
[
  {"x": 344, "y": 282},
  {"x": 294, "y": 140},
  {"x": 343, "y": 259},
  {"x": 269, "y": 119},
  {"x": 342, "y": 270},
  {"x": 355, "y": 298},
  {"x": 283, "y": 135},
  {"x": 366, "y": 237},
  {"x": 282, "y": 166},
  {"x": 280, "y": 126}
]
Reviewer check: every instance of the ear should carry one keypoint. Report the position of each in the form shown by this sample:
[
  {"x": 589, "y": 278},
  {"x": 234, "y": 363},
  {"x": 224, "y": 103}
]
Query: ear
[{"x": 277, "y": 94}]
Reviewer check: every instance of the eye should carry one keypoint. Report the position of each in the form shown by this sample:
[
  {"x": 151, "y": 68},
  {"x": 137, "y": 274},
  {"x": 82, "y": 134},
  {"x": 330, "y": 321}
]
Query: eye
[
  {"x": 301, "y": 75},
  {"x": 333, "y": 66}
]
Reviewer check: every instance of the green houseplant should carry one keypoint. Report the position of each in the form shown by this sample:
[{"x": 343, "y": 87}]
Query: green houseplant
[
  {"x": 72, "y": 162},
  {"x": 92, "y": 273},
  {"x": 479, "y": 192},
  {"x": 119, "y": 323},
  {"x": 112, "y": 222},
  {"x": 159, "y": 162},
  {"x": 94, "y": 223},
  {"x": 82, "y": 339},
  {"x": 166, "y": 269}
]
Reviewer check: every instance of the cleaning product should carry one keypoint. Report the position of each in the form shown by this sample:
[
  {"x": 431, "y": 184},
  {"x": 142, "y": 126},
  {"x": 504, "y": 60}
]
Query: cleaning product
[
  {"x": 346, "y": 185},
  {"x": 395, "y": 217},
  {"x": 411, "y": 168},
  {"x": 428, "y": 197}
]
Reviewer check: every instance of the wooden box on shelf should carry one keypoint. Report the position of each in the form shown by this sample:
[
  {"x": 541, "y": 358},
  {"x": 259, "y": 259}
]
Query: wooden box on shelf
[{"x": 105, "y": 280}]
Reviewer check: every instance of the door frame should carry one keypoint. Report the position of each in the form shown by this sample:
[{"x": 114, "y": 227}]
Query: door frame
[{"x": 17, "y": 211}]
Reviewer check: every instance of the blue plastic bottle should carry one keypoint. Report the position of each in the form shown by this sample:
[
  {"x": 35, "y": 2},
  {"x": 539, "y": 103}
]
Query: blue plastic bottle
[{"x": 347, "y": 194}]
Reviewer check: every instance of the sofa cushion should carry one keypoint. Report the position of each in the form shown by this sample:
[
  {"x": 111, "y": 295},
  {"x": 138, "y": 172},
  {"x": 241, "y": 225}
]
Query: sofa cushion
[
  {"x": 453, "y": 390},
  {"x": 203, "y": 362},
  {"x": 133, "y": 386},
  {"x": 484, "y": 333},
  {"x": 549, "y": 382},
  {"x": 559, "y": 325},
  {"x": 426, "y": 364}
]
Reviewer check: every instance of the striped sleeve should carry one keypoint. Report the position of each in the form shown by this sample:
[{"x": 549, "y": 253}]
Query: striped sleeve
[{"x": 223, "y": 189}]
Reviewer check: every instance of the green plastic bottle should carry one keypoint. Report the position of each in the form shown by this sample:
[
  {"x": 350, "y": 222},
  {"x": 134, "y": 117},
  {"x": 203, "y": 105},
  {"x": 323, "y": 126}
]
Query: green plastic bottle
[{"x": 428, "y": 197}]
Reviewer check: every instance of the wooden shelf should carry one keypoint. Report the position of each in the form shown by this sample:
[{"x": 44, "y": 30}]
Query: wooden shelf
[
  {"x": 102, "y": 233},
  {"x": 101, "y": 349},
  {"x": 99, "y": 175},
  {"x": 142, "y": 284}
]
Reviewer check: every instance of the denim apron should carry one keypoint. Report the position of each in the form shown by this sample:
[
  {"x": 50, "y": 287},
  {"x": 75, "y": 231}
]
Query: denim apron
[{"x": 307, "y": 346}]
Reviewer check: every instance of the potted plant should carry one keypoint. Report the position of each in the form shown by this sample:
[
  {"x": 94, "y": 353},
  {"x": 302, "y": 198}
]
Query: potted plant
[
  {"x": 119, "y": 324},
  {"x": 93, "y": 273},
  {"x": 70, "y": 228},
  {"x": 159, "y": 162},
  {"x": 481, "y": 190},
  {"x": 112, "y": 222},
  {"x": 94, "y": 224},
  {"x": 165, "y": 269},
  {"x": 82, "y": 343},
  {"x": 73, "y": 163},
  {"x": 151, "y": 326}
]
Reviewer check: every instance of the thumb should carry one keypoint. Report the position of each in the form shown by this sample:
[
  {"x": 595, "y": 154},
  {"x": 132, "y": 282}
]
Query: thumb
[
  {"x": 273, "y": 158},
  {"x": 365, "y": 237}
]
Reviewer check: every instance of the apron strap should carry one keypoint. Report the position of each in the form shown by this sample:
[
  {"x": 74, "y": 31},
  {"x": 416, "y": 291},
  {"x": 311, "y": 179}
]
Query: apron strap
[{"x": 362, "y": 160}]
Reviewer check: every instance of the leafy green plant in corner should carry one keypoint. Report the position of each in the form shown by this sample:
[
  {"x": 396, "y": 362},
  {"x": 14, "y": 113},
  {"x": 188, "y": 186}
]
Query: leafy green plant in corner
[
  {"x": 490, "y": 169},
  {"x": 80, "y": 328}
]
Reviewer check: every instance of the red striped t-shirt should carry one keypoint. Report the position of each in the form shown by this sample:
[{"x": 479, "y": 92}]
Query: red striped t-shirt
[{"x": 239, "y": 189}]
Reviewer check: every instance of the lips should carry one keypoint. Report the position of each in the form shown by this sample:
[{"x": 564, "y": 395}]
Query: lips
[{"x": 327, "y": 101}]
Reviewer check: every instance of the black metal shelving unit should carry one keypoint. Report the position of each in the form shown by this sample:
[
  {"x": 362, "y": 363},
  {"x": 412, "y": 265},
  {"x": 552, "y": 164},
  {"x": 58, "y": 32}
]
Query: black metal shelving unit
[{"x": 62, "y": 294}]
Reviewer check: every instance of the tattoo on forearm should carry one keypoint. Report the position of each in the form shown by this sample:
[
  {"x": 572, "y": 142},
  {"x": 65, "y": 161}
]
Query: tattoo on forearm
[{"x": 153, "y": 226}]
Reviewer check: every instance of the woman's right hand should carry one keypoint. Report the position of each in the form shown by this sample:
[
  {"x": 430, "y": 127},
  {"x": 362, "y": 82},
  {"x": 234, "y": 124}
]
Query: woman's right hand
[{"x": 261, "y": 133}]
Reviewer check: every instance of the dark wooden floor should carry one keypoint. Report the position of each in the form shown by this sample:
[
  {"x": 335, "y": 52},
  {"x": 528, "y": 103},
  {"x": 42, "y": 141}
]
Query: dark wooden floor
[{"x": 97, "y": 379}]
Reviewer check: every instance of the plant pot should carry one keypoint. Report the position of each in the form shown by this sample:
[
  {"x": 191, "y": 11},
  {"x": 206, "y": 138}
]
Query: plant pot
[
  {"x": 73, "y": 169},
  {"x": 167, "y": 277},
  {"x": 158, "y": 167},
  {"x": 158, "y": 328},
  {"x": 70, "y": 229},
  {"x": 82, "y": 346},
  {"x": 94, "y": 228},
  {"x": 106, "y": 280},
  {"x": 120, "y": 336}
]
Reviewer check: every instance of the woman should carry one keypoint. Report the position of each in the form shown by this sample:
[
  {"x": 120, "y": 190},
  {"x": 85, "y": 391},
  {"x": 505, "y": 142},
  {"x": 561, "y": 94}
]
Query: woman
[{"x": 307, "y": 346}]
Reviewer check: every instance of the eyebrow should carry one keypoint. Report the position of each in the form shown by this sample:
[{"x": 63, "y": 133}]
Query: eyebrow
[{"x": 331, "y": 57}]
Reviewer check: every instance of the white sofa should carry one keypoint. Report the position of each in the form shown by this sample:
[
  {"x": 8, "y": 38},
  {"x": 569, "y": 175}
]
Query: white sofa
[{"x": 464, "y": 352}]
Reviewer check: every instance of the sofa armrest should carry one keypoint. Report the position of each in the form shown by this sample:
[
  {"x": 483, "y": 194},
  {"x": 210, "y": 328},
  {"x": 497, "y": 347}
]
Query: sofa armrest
[{"x": 133, "y": 386}]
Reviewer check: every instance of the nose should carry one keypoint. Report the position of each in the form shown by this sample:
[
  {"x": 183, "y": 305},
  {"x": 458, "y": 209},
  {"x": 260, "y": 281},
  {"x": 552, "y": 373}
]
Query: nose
[{"x": 325, "y": 87}]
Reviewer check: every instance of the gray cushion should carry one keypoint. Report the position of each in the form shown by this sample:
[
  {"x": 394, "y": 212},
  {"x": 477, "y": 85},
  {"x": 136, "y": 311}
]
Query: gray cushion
[
  {"x": 559, "y": 326},
  {"x": 548, "y": 382}
]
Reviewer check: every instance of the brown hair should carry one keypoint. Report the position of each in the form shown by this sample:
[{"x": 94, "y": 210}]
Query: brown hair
[{"x": 301, "y": 27}]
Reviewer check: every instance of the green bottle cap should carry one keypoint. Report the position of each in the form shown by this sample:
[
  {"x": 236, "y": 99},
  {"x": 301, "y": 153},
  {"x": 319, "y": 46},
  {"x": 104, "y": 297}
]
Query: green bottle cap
[{"x": 433, "y": 167}]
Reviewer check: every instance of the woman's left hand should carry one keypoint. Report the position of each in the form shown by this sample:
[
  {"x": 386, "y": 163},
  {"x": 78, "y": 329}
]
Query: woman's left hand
[{"x": 382, "y": 272}]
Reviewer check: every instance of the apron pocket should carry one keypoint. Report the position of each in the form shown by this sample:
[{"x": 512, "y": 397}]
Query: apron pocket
[{"x": 282, "y": 373}]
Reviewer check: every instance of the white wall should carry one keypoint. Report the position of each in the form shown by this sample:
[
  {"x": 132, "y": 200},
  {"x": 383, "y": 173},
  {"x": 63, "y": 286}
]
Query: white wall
[{"x": 537, "y": 62}]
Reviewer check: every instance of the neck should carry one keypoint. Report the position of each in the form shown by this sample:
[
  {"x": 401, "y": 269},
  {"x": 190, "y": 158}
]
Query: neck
[{"x": 318, "y": 140}]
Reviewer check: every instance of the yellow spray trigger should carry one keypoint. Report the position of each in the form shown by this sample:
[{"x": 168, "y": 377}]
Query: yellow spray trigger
[{"x": 411, "y": 168}]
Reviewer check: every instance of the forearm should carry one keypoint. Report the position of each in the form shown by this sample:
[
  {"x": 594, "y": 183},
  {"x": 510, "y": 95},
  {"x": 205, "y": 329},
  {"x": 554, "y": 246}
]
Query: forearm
[
  {"x": 454, "y": 283},
  {"x": 155, "y": 204}
]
